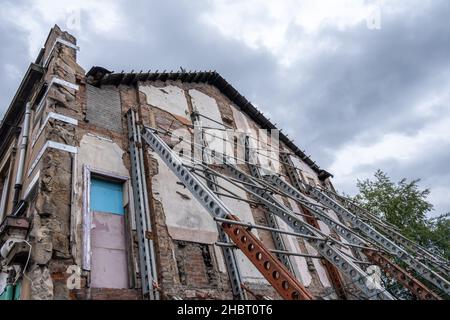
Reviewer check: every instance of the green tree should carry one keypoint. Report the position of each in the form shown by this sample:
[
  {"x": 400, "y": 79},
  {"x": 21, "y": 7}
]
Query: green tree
[{"x": 405, "y": 205}]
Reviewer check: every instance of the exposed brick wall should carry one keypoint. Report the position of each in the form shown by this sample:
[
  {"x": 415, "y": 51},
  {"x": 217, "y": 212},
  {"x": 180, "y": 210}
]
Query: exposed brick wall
[
  {"x": 104, "y": 107},
  {"x": 195, "y": 264},
  {"x": 105, "y": 294}
]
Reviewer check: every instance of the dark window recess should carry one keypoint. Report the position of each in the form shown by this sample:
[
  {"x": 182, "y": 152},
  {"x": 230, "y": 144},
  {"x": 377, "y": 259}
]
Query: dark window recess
[
  {"x": 4, "y": 182},
  {"x": 39, "y": 99}
]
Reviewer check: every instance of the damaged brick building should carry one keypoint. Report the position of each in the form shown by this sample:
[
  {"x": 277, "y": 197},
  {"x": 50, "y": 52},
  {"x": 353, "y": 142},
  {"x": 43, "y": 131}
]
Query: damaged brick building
[{"x": 90, "y": 209}]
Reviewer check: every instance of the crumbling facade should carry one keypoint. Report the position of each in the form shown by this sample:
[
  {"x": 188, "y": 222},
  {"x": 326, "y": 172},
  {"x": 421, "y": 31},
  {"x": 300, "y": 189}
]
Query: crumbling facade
[{"x": 71, "y": 228}]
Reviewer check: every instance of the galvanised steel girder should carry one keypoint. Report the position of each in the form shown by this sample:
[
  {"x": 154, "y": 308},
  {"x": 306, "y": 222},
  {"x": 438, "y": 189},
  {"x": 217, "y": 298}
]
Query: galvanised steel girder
[
  {"x": 228, "y": 252},
  {"x": 273, "y": 270},
  {"x": 341, "y": 229},
  {"x": 423, "y": 270},
  {"x": 393, "y": 270},
  {"x": 333, "y": 273},
  {"x": 147, "y": 261},
  {"x": 329, "y": 252},
  {"x": 270, "y": 217},
  {"x": 421, "y": 253},
  {"x": 407, "y": 280},
  {"x": 229, "y": 256}
]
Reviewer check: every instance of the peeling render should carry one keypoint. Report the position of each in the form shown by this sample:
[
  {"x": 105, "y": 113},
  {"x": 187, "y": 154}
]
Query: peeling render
[
  {"x": 185, "y": 217},
  {"x": 168, "y": 98}
]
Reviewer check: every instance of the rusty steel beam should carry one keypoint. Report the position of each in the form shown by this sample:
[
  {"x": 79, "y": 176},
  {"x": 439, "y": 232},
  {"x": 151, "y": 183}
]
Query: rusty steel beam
[
  {"x": 325, "y": 246},
  {"x": 408, "y": 280},
  {"x": 366, "y": 230},
  {"x": 417, "y": 288},
  {"x": 270, "y": 267},
  {"x": 332, "y": 271},
  {"x": 273, "y": 270}
]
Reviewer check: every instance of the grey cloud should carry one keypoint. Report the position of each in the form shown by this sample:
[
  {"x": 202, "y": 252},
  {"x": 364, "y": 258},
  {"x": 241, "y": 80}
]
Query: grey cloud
[
  {"x": 13, "y": 52},
  {"x": 430, "y": 168},
  {"x": 373, "y": 80},
  {"x": 167, "y": 35},
  {"x": 364, "y": 88}
]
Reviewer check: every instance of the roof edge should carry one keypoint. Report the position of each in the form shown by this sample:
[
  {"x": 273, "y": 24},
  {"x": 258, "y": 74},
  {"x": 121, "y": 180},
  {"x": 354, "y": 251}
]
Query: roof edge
[{"x": 100, "y": 76}]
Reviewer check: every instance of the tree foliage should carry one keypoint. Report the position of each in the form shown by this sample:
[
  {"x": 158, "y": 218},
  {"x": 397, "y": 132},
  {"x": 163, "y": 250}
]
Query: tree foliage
[{"x": 405, "y": 205}]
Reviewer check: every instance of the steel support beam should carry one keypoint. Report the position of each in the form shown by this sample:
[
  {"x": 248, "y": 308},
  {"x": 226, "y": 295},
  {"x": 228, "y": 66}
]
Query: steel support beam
[
  {"x": 327, "y": 250},
  {"x": 273, "y": 270},
  {"x": 427, "y": 257},
  {"x": 422, "y": 270},
  {"x": 271, "y": 219},
  {"x": 228, "y": 253},
  {"x": 407, "y": 280},
  {"x": 348, "y": 234},
  {"x": 335, "y": 277},
  {"x": 147, "y": 261},
  {"x": 417, "y": 288}
]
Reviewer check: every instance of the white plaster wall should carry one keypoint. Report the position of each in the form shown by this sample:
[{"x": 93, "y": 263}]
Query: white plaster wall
[
  {"x": 186, "y": 219},
  {"x": 322, "y": 273},
  {"x": 264, "y": 155},
  {"x": 323, "y": 277},
  {"x": 242, "y": 128},
  {"x": 267, "y": 153},
  {"x": 101, "y": 153},
  {"x": 169, "y": 98},
  {"x": 207, "y": 106},
  {"x": 240, "y": 119}
]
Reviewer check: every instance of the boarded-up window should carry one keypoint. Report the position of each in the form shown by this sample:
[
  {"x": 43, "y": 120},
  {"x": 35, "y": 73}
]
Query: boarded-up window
[
  {"x": 106, "y": 196},
  {"x": 108, "y": 243}
]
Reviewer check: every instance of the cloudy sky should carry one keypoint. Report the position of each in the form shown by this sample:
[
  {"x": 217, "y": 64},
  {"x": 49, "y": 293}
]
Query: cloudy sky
[{"x": 360, "y": 85}]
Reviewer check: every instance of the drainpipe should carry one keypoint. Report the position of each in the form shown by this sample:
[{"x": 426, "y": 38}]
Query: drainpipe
[{"x": 22, "y": 154}]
